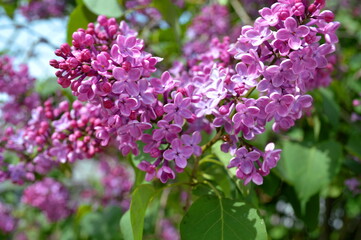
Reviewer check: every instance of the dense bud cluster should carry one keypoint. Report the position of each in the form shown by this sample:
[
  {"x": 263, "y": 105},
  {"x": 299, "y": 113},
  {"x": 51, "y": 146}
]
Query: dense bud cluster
[{"x": 56, "y": 134}]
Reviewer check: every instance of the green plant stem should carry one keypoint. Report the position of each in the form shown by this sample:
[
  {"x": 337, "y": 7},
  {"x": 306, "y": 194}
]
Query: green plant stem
[
  {"x": 213, "y": 140},
  {"x": 210, "y": 161},
  {"x": 241, "y": 12},
  {"x": 213, "y": 188}
]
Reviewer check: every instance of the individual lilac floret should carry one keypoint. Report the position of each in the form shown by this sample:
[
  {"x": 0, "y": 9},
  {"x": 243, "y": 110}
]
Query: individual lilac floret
[
  {"x": 271, "y": 156},
  {"x": 193, "y": 142},
  {"x": 178, "y": 111},
  {"x": 292, "y": 33},
  {"x": 166, "y": 130},
  {"x": 245, "y": 166},
  {"x": 179, "y": 153}
]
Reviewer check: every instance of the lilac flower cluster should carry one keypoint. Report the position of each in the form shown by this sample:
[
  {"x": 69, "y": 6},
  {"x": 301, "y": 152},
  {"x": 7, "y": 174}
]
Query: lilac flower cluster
[
  {"x": 7, "y": 221},
  {"x": 43, "y": 9},
  {"x": 50, "y": 196},
  {"x": 56, "y": 134},
  {"x": 17, "y": 85},
  {"x": 213, "y": 21},
  {"x": 281, "y": 56},
  {"x": 117, "y": 182},
  {"x": 168, "y": 231},
  {"x": 353, "y": 184}
]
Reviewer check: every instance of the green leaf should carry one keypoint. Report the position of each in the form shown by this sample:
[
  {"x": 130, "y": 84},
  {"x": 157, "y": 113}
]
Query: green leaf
[
  {"x": 223, "y": 157},
  {"x": 309, "y": 213},
  {"x": 353, "y": 144},
  {"x": 170, "y": 13},
  {"x": 140, "y": 200},
  {"x": 101, "y": 224},
  {"x": 126, "y": 226},
  {"x": 215, "y": 218},
  {"x": 9, "y": 7},
  {"x": 79, "y": 18},
  {"x": 333, "y": 150},
  {"x": 47, "y": 87},
  {"x": 330, "y": 108},
  {"x": 310, "y": 169},
  {"x": 109, "y": 8}
]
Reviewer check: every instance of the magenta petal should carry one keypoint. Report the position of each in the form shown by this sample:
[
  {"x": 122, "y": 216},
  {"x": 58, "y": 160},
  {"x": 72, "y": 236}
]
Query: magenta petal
[
  {"x": 241, "y": 68},
  {"x": 257, "y": 178},
  {"x": 120, "y": 74},
  {"x": 265, "y": 12},
  {"x": 248, "y": 121},
  {"x": 114, "y": 52},
  {"x": 263, "y": 85},
  {"x": 187, "y": 151},
  {"x": 134, "y": 74},
  {"x": 310, "y": 63},
  {"x": 247, "y": 167},
  {"x": 302, "y": 31},
  {"x": 169, "y": 108},
  {"x": 165, "y": 76},
  {"x": 178, "y": 99},
  {"x": 132, "y": 88},
  {"x": 130, "y": 42},
  {"x": 185, "y": 113},
  {"x": 197, "y": 138},
  {"x": 291, "y": 24},
  {"x": 282, "y": 111},
  {"x": 297, "y": 67},
  {"x": 252, "y": 33},
  {"x": 253, "y": 110},
  {"x": 253, "y": 155},
  {"x": 283, "y": 35},
  {"x": 287, "y": 99},
  {"x": 233, "y": 163},
  {"x": 158, "y": 134},
  {"x": 277, "y": 81},
  {"x": 186, "y": 139},
  {"x": 118, "y": 87},
  {"x": 169, "y": 154},
  {"x": 294, "y": 43},
  {"x": 144, "y": 165},
  {"x": 271, "y": 107},
  {"x": 241, "y": 152},
  {"x": 181, "y": 162}
]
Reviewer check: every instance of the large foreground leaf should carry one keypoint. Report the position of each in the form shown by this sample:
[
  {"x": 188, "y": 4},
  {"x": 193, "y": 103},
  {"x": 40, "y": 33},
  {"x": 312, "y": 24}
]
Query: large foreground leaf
[
  {"x": 215, "y": 218},
  {"x": 310, "y": 169},
  {"x": 79, "y": 18},
  {"x": 140, "y": 200},
  {"x": 109, "y": 8}
]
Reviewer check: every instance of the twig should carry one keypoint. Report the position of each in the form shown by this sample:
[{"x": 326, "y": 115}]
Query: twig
[{"x": 241, "y": 12}]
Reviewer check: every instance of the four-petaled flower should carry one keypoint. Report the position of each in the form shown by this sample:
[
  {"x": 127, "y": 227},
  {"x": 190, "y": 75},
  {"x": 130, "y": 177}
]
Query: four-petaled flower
[{"x": 179, "y": 153}]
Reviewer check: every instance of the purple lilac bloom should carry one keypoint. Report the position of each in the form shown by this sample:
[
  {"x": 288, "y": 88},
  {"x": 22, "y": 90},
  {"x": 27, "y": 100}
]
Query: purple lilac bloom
[
  {"x": 8, "y": 223},
  {"x": 49, "y": 196},
  {"x": 42, "y": 9},
  {"x": 281, "y": 55}
]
